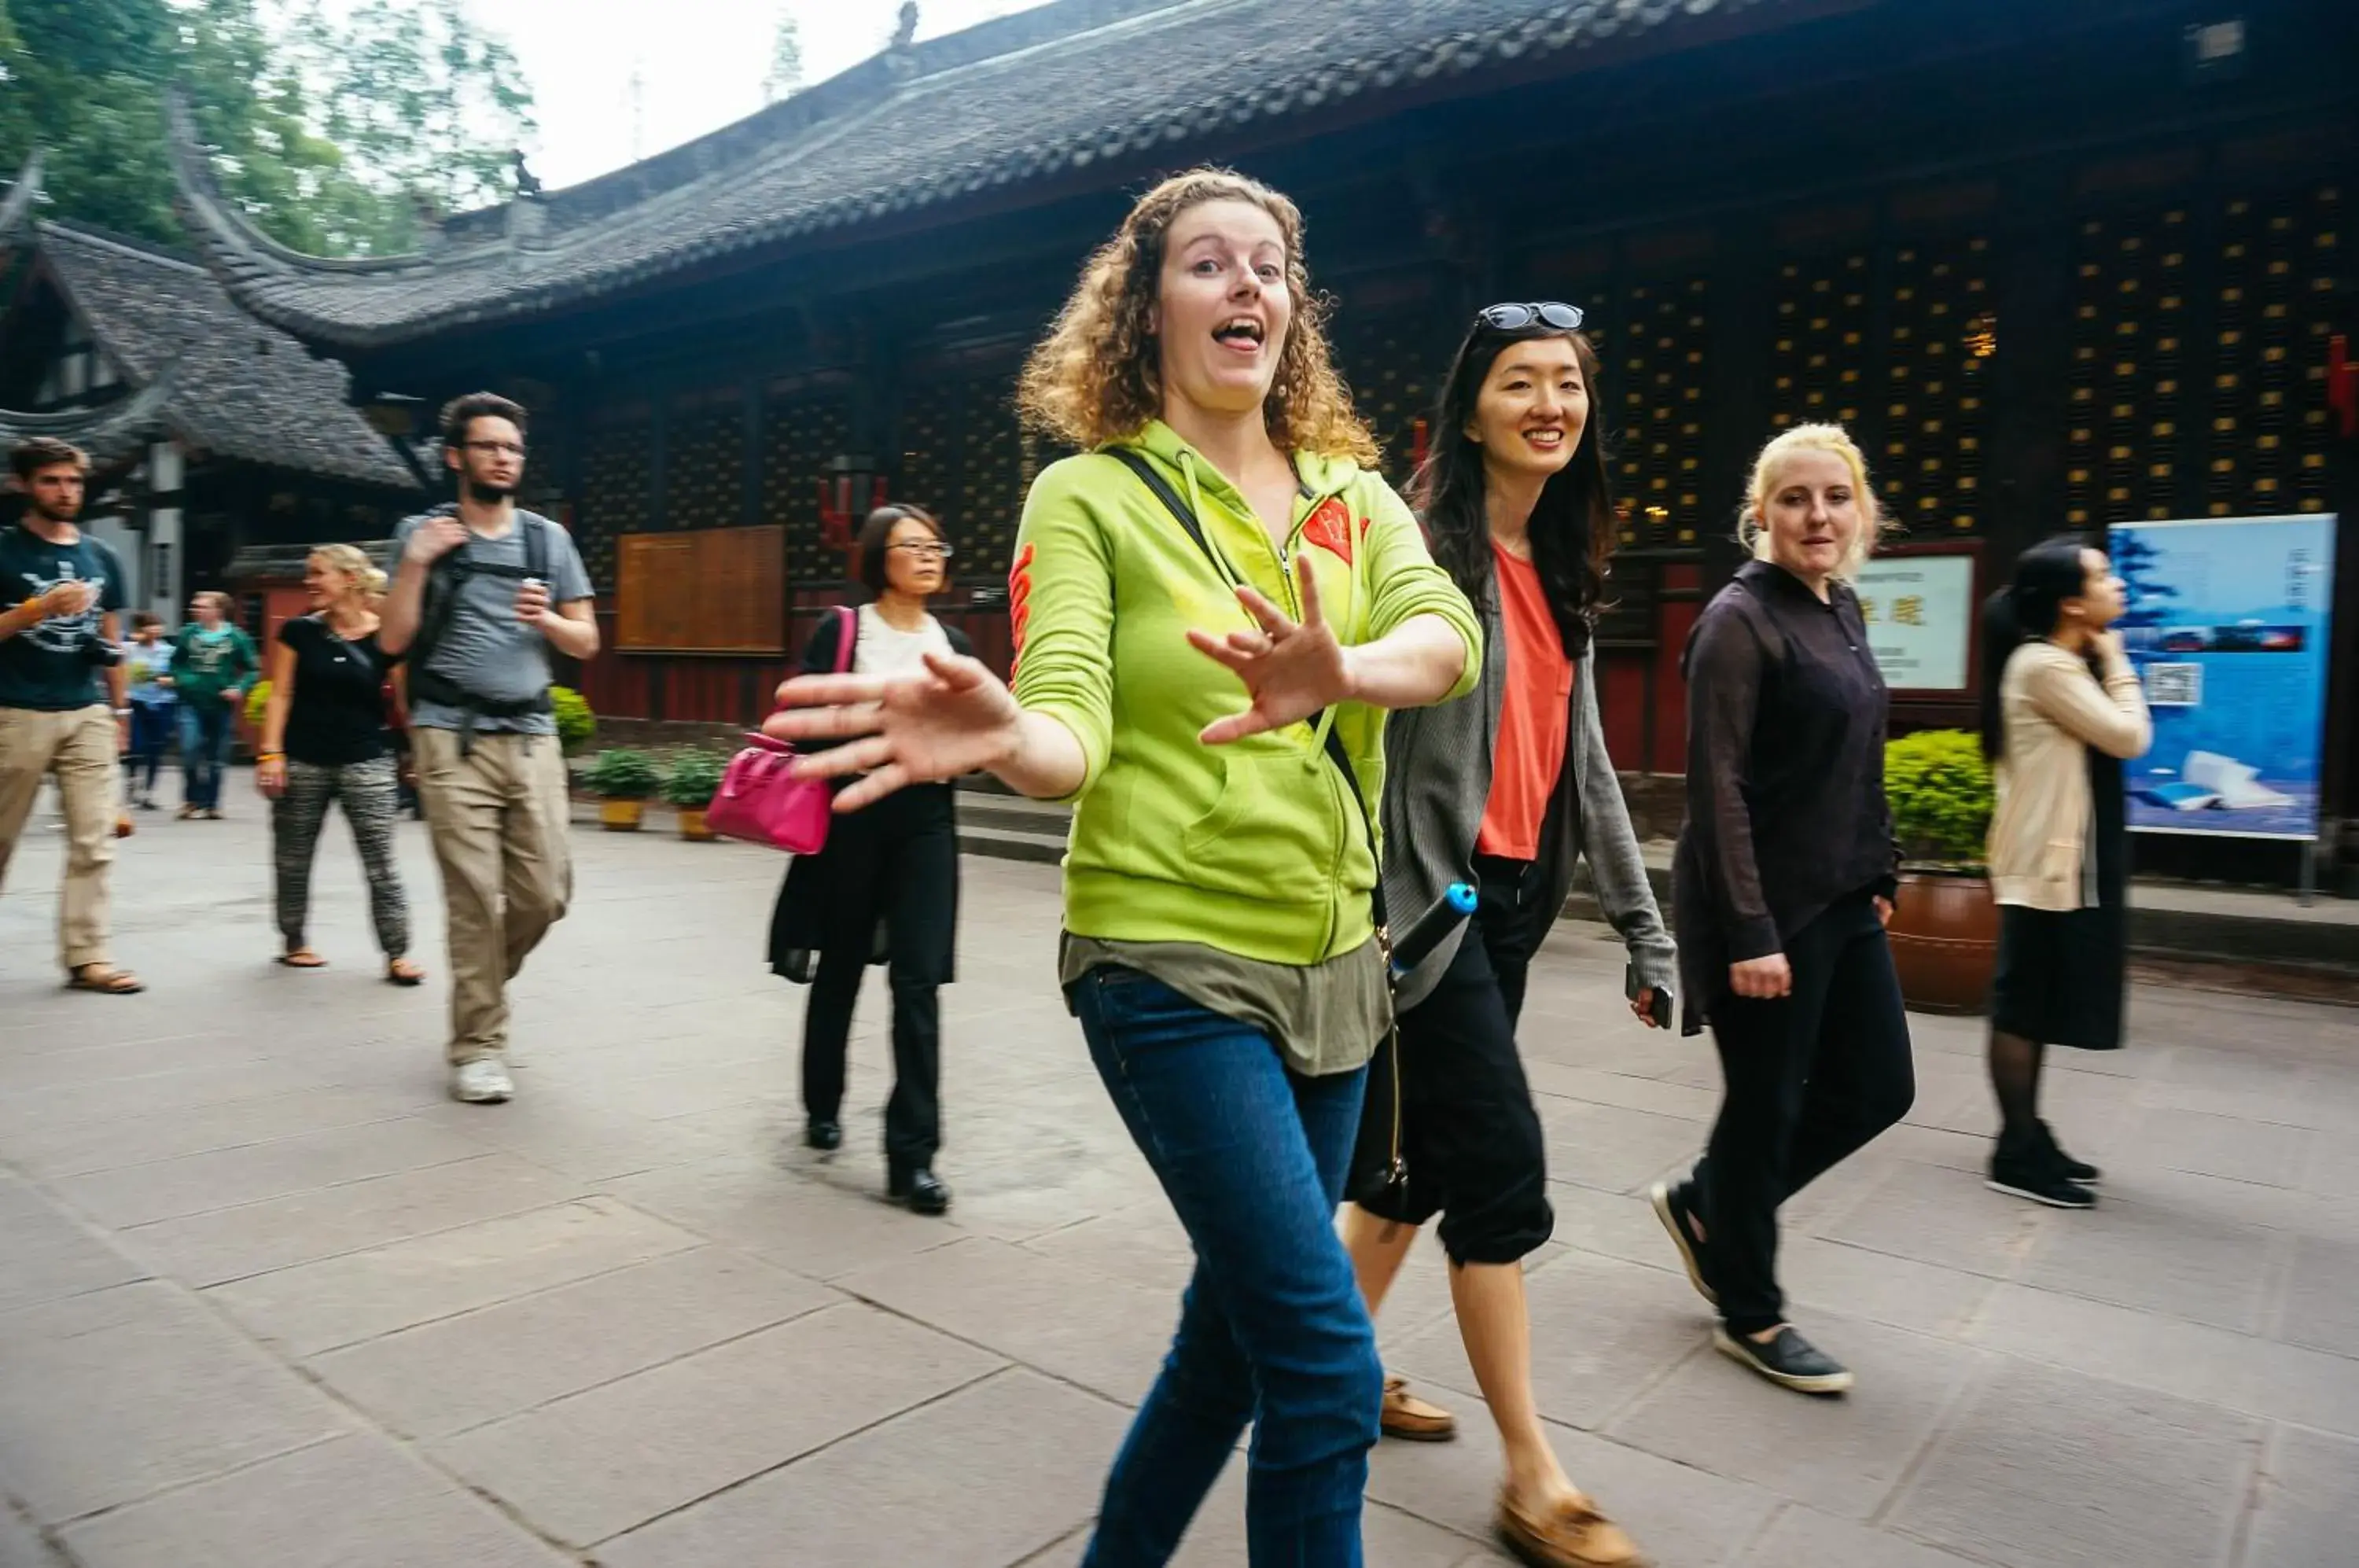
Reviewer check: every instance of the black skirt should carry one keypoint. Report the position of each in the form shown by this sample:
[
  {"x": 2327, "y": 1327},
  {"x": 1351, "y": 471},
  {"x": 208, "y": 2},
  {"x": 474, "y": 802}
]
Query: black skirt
[
  {"x": 2061, "y": 972},
  {"x": 895, "y": 860}
]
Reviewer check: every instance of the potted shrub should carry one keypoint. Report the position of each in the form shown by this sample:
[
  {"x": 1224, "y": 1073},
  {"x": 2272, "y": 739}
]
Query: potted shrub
[
  {"x": 621, "y": 779},
  {"x": 577, "y": 726},
  {"x": 689, "y": 784},
  {"x": 1945, "y": 928}
]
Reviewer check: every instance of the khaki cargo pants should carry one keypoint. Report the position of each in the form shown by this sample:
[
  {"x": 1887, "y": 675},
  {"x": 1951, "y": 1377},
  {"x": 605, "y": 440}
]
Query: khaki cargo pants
[
  {"x": 79, "y": 747},
  {"x": 497, "y": 818}
]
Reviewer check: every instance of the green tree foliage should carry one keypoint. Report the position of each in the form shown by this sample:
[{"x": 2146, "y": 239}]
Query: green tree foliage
[{"x": 328, "y": 130}]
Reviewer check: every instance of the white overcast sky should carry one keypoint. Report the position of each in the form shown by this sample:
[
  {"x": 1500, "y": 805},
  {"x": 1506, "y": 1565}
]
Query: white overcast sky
[{"x": 700, "y": 64}]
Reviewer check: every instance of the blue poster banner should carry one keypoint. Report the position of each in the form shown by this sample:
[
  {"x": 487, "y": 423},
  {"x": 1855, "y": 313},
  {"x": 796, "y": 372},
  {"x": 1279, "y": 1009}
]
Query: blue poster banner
[{"x": 2229, "y": 626}]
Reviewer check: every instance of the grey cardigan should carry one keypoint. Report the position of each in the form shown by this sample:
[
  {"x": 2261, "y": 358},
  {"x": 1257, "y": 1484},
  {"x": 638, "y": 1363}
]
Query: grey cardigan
[{"x": 1438, "y": 782}]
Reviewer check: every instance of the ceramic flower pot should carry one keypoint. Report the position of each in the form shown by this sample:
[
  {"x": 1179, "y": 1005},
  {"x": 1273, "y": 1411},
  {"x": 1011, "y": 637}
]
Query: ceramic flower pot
[
  {"x": 621, "y": 816},
  {"x": 691, "y": 825},
  {"x": 1944, "y": 936}
]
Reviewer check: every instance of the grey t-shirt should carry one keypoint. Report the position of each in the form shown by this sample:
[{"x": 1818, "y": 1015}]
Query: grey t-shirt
[{"x": 486, "y": 648}]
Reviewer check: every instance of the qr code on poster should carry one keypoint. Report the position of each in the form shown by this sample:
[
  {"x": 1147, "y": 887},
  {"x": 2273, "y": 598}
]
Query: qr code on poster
[{"x": 2174, "y": 685}]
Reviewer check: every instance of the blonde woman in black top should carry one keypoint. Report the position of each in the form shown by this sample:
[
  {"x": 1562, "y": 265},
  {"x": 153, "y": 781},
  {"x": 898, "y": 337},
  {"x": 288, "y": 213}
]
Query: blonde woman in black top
[
  {"x": 323, "y": 741},
  {"x": 1784, "y": 877}
]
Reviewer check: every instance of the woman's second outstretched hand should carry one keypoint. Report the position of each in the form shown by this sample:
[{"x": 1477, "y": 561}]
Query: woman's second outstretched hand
[
  {"x": 1291, "y": 669},
  {"x": 955, "y": 719}
]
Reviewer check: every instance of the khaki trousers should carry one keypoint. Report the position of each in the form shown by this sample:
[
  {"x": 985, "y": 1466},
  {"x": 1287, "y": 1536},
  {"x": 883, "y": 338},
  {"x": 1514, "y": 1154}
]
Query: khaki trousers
[
  {"x": 497, "y": 818},
  {"x": 79, "y": 747}
]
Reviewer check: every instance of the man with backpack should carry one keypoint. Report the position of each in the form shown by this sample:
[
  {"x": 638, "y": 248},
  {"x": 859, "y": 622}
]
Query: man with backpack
[{"x": 483, "y": 592}]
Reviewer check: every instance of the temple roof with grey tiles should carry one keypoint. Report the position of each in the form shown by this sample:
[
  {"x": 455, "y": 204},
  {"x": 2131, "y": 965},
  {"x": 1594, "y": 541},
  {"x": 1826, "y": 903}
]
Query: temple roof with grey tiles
[
  {"x": 200, "y": 368},
  {"x": 1026, "y": 98}
]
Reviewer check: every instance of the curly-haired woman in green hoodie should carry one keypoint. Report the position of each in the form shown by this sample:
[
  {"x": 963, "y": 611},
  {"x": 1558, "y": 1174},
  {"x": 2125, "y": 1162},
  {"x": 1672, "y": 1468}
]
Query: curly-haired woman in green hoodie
[{"x": 1213, "y": 609}]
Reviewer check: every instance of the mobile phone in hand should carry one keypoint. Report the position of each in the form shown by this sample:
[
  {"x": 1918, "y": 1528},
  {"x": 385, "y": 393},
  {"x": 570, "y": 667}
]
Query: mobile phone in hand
[{"x": 1659, "y": 1008}]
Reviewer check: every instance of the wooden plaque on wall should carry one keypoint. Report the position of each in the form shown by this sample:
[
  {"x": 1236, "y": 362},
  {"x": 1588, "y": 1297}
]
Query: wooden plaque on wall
[{"x": 707, "y": 591}]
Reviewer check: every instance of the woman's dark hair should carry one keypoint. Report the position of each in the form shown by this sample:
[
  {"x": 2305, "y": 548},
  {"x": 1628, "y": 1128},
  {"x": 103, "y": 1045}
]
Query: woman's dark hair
[
  {"x": 1571, "y": 526},
  {"x": 877, "y": 533},
  {"x": 2045, "y": 576}
]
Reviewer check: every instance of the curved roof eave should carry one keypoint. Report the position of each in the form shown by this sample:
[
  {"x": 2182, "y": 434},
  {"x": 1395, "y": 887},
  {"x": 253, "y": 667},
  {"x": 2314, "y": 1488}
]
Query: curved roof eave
[
  {"x": 108, "y": 433},
  {"x": 1412, "y": 44}
]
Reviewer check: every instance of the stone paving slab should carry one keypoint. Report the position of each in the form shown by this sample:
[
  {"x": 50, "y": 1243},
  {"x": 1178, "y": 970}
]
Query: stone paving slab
[
  {"x": 2055, "y": 1469},
  {"x": 594, "y": 1464},
  {"x": 356, "y": 1502},
  {"x": 444, "y": 1377},
  {"x": 269, "y": 1299}
]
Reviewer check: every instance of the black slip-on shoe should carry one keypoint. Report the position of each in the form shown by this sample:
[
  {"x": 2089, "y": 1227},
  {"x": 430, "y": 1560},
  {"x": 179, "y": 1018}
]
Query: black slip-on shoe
[
  {"x": 1673, "y": 1206},
  {"x": 1786, "y": 1358}
]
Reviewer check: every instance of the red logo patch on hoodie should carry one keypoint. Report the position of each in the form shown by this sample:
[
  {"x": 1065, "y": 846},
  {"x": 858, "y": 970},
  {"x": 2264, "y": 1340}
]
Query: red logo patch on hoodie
[
  {"x": 1331, "y": 526},
  {"x": 1019, "y": 606}
]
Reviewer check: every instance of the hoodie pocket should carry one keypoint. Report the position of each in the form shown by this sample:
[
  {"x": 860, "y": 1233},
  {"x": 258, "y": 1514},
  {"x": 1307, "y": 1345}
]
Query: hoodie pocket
[{"x": 1267, "y": 834}]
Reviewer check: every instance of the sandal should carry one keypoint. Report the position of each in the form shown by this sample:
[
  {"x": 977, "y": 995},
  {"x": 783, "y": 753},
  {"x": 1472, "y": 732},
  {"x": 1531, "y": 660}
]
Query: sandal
[
  {"x": 105, "y": 979},
  {"x": 401, "y": 972},
  {"x": 302, "y": 958}
]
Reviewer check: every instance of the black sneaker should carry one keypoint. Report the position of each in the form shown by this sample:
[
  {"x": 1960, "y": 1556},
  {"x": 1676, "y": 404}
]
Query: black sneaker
[
  {"x": 2080, "y": 1171},
  {"x": 824, "y": 1133},
  {"x": 1675, "y": 1206},
  {"x": 1787, "y": 1359},
  {"x": 2032, "y": 1175}
]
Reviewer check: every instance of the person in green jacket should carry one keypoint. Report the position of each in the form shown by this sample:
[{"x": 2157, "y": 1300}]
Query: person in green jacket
[
  {"x": 213, "y": 662},
  {"x": 1205, "y": 678}
]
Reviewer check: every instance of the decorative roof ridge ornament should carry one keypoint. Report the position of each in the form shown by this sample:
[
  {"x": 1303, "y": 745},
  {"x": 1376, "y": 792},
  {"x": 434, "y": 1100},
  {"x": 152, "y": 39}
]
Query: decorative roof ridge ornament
[
  {"x": 16, "y": 221},
  {"x": 901, "y": 54}
]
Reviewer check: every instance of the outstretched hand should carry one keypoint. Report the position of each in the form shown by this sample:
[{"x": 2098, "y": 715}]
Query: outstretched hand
[
  {"x": 955, "y": 718},
  {"x": 1290, "y": 669}
]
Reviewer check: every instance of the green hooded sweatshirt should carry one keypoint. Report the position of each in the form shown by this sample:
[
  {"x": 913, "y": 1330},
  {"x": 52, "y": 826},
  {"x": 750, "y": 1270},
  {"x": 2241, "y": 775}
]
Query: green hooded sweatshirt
[{"x": 1252, "y": 848}]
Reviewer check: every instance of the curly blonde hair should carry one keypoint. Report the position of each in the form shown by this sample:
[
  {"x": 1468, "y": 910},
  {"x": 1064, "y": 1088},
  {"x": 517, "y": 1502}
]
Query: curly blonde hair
[
  {"x": 1097, "y": 376},
  {"x": 1828, "y": 437}
]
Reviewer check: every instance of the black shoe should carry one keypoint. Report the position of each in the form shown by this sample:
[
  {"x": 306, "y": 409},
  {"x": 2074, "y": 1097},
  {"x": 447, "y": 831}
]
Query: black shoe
[
  {"x": 823, "y": 1132},
  {"x": 2078, "y": 1171},
  {"x": 1675, "y": 1206},
  {"x": 2032, "y": 1175},
  {"x": 1787, "y": 1359},
  {"x": 920, "y": 1189}
]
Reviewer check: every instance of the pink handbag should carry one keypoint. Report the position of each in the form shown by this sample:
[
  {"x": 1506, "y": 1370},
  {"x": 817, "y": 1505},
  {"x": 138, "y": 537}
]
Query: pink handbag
[{"x": 760, "y": 801}]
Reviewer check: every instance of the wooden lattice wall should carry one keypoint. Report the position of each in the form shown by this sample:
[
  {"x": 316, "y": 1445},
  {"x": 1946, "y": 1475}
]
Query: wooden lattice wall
[{"x": 1654, "y": 402}]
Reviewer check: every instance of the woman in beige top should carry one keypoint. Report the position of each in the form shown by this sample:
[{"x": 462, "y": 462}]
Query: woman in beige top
[{"x": 2061, "y": 711}]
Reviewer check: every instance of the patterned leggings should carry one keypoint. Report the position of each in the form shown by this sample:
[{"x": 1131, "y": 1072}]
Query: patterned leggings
[{"x": 297, "y": 818}]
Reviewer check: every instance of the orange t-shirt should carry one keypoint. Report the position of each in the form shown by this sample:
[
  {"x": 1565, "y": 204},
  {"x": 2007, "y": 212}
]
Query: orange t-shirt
[{"x": 1535, "y": 713}]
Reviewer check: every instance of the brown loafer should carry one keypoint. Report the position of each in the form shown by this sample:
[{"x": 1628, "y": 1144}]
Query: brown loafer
[
  {"x": 1572, "y": 1535},
  {"x": 1412, "y": 1419}
]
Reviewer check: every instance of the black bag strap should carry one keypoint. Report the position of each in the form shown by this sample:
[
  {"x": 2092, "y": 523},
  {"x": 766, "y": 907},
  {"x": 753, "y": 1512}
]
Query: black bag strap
[
  {"x": 449, "y": 575},
  {"x": 1137, "y": 463}
]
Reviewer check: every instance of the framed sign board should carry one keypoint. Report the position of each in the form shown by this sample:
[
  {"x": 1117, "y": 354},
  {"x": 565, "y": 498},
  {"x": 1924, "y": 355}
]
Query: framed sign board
[
  {"x": 2230, "y": 628},
  {"x": 1922, "y": 607},
  {"x": 718, "y": 590}
]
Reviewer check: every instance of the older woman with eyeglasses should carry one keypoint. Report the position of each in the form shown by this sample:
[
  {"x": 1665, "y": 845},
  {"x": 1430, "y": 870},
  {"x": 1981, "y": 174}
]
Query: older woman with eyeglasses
[{"x": 884, "y": 890}]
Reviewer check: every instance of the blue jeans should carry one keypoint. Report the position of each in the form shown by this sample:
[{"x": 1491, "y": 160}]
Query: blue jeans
[
  {"x": 205, "y": 734},
  {"x": 152, "y": 724},
  {"x": 1272, "y": 1330}
]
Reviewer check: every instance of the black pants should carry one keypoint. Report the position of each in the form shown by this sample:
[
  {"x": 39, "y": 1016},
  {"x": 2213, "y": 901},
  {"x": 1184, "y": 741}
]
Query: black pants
[
  {"x": 899, "y": 864},
  {"x": 1812, "y": 1077},
  {"x": 1470, "y": 1134}
]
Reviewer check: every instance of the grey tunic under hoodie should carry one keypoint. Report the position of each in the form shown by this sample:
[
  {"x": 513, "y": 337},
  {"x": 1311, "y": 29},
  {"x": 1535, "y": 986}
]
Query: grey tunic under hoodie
[{"x": 1438, "y": 783}]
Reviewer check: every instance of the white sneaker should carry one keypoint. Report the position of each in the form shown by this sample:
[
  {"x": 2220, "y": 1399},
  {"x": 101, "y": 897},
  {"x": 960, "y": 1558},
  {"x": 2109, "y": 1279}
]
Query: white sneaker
[{"x": 483, "y": 1081}]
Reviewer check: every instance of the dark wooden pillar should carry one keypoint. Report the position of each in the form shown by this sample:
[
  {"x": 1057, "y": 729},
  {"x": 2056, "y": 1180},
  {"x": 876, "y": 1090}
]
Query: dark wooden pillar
[{"x": 2031, "y": 374}]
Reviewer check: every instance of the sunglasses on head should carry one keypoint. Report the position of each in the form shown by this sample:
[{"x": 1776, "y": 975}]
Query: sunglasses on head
[{"x": 1514, "y": 317}]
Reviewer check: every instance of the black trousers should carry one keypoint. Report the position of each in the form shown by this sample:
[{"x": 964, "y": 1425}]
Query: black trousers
[
  {"x": 1470, "y": 1134},
  {"x": 1811, "y": 1076},
  {"x": 899, "y": 864}
]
